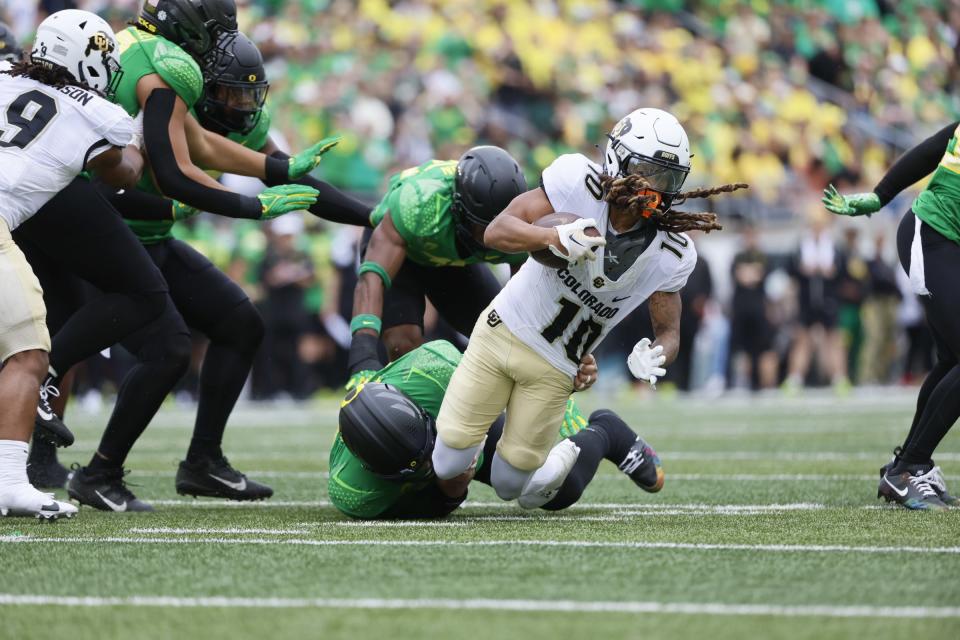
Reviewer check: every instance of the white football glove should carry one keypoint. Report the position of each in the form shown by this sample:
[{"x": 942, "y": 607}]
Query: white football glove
[
  {"x": 645, "y": 363},
  {"x": 579, "y": 246},
  {"x": 138, "y": 131}
]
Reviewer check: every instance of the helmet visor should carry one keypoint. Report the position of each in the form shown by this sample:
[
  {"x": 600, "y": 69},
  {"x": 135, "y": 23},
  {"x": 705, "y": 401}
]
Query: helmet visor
[
  {"x": 236, "y": 105},
  {"x": 663, "y": 176}
]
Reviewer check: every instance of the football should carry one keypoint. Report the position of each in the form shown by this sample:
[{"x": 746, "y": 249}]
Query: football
[{"x": 546, "y": 257}]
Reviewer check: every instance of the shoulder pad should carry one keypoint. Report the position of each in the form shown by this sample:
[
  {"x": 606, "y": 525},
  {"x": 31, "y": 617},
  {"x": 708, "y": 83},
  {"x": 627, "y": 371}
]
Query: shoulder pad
[
  {"x": 178, "y": 70},
  {"x": 572, "y": 184}
]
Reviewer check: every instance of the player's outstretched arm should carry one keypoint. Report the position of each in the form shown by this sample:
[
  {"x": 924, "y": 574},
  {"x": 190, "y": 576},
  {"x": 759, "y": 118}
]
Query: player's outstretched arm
[
  {"x": 118, "y": 167},
  {"x": 513, "y": 231}
]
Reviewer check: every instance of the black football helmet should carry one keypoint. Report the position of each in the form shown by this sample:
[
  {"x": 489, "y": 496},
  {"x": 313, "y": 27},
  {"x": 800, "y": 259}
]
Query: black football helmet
[
  {"x": 488, "y": 178},
  {"x": 235, "y": 87},
  {"x": 387, "y": 431},
  {"x": 10, "y": 50},
  {"x": 194, "y": 25}
]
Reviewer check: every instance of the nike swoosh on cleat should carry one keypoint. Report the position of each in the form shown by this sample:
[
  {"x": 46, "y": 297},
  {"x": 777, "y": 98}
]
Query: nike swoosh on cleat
[
  {"x": 113, "y": 505},
  {"x": 43, "y": 414},
  {"x": 236, "y": 486},
  {"x": 899, "y": 493}
]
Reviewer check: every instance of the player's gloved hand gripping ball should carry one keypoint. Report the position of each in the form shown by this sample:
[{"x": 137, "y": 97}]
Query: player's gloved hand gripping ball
[
  {"x": 855, "y": 204},
  {"x": 285, "y": 198},
  {"x": 575, "y": 241},
  {"x": 646, "y": 363},
  {"x": 308, "y": 159}
]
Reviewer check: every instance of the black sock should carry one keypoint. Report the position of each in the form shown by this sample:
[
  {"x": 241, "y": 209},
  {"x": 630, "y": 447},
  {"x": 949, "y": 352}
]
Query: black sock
[
  {"x": 939, "y": 414},
  {"x": 42, "y": 452},
  {"x": 940, "y": 369},
  {"x": 233, "y": 345},
  {"x": 607, "y": 436},
  {"x": 99, "y": 464},
  {"x": 620, "y": 436},
  {"x": 163, "y": 361}
]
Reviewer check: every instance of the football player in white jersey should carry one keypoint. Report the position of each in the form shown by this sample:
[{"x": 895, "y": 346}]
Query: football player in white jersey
[
  {"x": 524, "y": 352},
  {"x": 54, "y": 124}
]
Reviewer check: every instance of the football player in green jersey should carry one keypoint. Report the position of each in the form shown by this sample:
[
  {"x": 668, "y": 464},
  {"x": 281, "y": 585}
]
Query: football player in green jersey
[
  {"x": 428, "y": 244},
  {"x": 380, "y": 459},
  {"x": 204, "y": 299},
  {"x": 928, "y": 242}
]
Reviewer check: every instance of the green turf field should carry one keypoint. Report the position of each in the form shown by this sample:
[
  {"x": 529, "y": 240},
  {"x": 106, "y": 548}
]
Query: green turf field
[{"x": 767, "y": 527}]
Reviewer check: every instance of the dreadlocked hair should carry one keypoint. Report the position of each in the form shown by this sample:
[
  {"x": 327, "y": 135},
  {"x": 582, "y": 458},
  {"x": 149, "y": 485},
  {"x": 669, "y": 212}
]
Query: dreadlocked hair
[
  {"x": 628, "y": 192},
  {"x": 49, "y": 74}
]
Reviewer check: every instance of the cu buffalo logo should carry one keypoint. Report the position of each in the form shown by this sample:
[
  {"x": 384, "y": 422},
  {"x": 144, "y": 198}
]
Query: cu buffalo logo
[
  {"x": 622, "y": 128},
  {"x": 101, "y": 42},
  {"x": 598, "y": 282}
]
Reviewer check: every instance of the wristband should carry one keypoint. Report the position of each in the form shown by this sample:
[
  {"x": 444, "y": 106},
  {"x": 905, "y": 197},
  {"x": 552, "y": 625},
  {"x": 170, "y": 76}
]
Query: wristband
[
  {"x": 276, "y": 171},
  {"x": 365, "y": 321},
  {"x": 372, "y": 267}
]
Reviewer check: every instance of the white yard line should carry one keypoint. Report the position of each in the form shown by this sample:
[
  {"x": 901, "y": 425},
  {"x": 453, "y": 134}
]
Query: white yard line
[
  {"x": 812, "y": 456},
  {"x": 571, "y": 606},
  {"x": 214, "y": 504},
  {"x": 581, "y": 544},
  {"x": 224, "y": 530}
]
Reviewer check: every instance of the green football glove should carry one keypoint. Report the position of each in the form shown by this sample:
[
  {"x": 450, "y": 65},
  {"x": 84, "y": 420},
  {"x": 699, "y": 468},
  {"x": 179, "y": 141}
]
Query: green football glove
[
  {"x": 855, "y": 204},
  {"x": 307, "y": 160},
  {"x": 183, "y": 211},
  {"x": 360, "y": 378},
  {"x": 573, "y": 420},
  {"x": 285, "y": 198}
]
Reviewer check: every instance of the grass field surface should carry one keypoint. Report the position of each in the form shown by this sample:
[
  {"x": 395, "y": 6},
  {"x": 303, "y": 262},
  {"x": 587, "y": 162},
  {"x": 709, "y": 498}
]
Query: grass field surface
[{"x": 767, "y": 527}]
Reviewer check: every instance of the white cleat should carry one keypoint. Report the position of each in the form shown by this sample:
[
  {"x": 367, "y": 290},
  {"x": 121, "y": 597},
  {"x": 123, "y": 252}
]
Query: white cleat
[
  {"x": 544, "y": 484},
  {"x": 22, "y": 500}
]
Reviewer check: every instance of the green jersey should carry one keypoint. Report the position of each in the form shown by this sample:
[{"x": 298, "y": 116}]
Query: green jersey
[
  {"x": 419, "y": 201},
  {"x": 423, "y": 375},
  {"x": 939, "y": 204}
]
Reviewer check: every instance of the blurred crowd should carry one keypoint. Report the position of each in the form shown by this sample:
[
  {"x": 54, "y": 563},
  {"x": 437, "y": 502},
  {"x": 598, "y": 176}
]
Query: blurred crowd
[{"x": 786, "y": 95}]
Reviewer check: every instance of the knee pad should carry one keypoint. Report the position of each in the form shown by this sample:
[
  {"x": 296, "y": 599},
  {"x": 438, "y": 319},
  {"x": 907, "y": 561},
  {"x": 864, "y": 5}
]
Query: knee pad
[
  {"x": 507, "y": 480},
  {"x": 242, "y": 328},
  {"x": 449, "y": 462}
]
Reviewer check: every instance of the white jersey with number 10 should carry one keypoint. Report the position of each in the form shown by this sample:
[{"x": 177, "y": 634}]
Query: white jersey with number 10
[
  {"x": 47, "y": 135},
  {"x": 565, "y": 313}
]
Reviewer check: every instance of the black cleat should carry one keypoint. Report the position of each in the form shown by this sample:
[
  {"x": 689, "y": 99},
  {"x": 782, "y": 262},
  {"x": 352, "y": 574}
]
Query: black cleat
[
  {"x": 215, "y": 478},
  {"x": 909, "y": 489},
  {"x": 933, "y": 477},
  {"x": 43, "y": 468},
  {"x": 47, "y": 424},
  {"x": 104, "y": 490},
  {"x": 642, "y": 464}
]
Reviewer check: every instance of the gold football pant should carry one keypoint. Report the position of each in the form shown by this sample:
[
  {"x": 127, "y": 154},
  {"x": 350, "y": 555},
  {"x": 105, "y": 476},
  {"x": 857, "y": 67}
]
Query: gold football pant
[{"x": 499, "y": 372}]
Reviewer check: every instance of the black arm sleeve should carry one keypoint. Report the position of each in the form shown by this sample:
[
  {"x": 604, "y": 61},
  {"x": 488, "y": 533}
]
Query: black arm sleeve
[
  {"x": 427, "y": 503},
  {"x": 332, "y": 204},
  {"x": 134, "y": 204},
  {"x": 912, "y": 166},
  {"x": 364, "y": 354},
  {"x": 157, "y": 113}
]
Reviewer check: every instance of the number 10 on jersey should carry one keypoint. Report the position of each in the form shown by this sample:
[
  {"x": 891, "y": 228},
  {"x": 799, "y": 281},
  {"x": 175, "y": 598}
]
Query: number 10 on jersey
[{"x": 583, "y": 337}]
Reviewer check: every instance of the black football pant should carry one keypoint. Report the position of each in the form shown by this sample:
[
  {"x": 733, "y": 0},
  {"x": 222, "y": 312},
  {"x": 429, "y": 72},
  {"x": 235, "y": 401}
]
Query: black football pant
[
  {"x": 938, "y": 403},
  {"x": 78, "y": 234},
  {"x": 205, "y": 299}
]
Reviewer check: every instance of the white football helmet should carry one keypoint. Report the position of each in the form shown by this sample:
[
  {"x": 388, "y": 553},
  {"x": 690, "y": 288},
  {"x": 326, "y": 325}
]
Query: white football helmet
[
  {"x": 82, "y": 43},
  {"x": 652, "y": 143}
]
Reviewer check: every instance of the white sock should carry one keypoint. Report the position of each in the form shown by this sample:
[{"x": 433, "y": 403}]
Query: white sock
[{"x": 13, "y": 463}]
